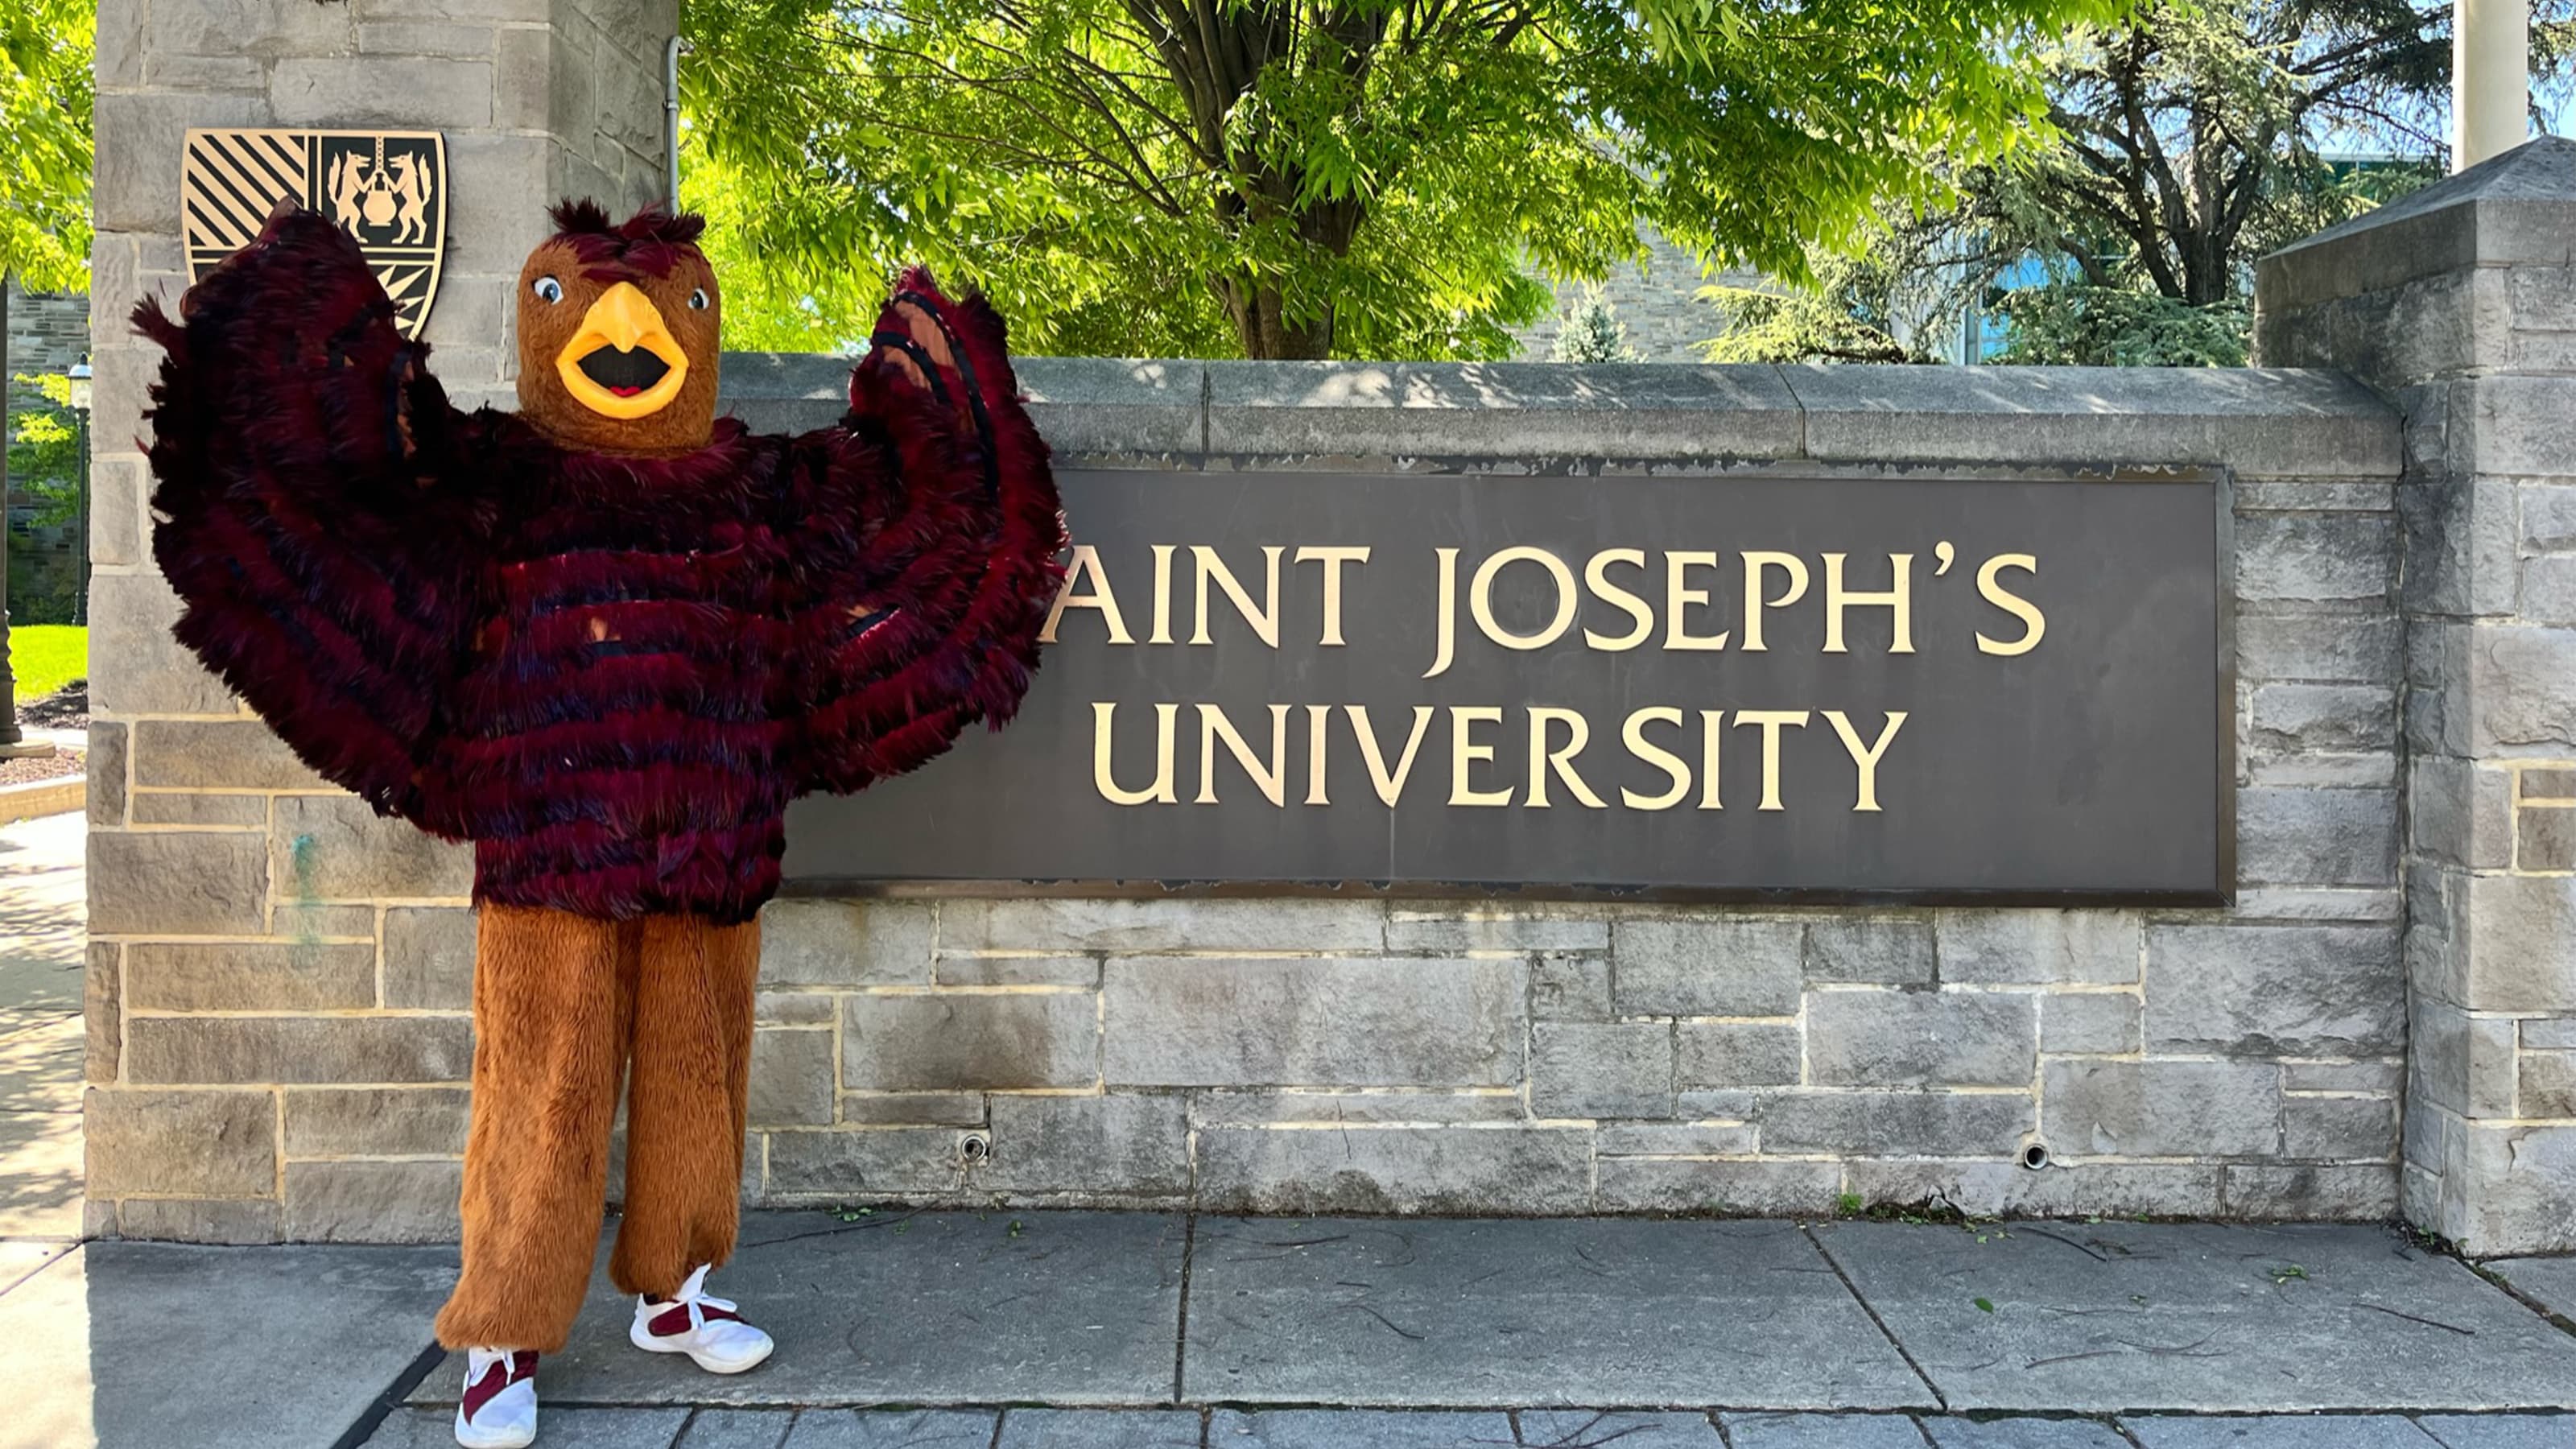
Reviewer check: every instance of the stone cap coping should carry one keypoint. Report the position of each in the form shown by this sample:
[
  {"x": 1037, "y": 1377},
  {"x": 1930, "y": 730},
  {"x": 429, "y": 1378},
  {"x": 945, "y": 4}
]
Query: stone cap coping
[
  {"x": 2264, "y": 422},
  {"x": 2518, "y": 207}
]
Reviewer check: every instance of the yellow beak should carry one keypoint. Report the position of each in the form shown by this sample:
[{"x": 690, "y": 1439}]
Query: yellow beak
[{"x": 615, "y": 382}]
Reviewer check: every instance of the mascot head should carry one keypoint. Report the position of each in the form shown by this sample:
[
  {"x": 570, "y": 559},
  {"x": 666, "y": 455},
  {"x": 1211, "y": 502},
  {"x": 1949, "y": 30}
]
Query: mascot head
[{"x": 618, "y": 333}]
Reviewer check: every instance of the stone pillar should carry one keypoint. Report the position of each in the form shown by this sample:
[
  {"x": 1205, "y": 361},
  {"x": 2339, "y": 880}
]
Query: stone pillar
[
  {"x": 2459, "y": 302},
  {"x": 238, "y": 906}
]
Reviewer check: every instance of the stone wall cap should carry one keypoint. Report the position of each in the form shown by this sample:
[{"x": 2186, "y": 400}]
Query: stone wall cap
[{"x": 2515, "y": 207}]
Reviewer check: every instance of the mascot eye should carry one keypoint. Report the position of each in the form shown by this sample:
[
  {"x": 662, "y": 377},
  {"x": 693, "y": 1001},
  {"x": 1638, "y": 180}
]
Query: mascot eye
[
  {"x": 698, "y": 298},
  {"x": 548, "y": 290}
]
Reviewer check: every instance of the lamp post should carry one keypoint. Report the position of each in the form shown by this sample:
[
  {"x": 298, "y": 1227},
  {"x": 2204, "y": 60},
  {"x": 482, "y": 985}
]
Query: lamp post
[
  {"x": 10, "y": 738},
  {"x": 78, "y": 395},
  {"x": 2490, "y": 79}
]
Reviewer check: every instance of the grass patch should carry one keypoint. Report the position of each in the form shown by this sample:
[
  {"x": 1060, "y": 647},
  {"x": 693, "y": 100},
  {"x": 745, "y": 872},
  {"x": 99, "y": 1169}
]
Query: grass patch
[{"x": 45, "y": 657}]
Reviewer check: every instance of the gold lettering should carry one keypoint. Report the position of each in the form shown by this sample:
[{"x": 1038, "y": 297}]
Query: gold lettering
[
  {"x": 1162, "y": 594},
  {"x": 1866, "y": 759},
  {"x": 1898, "y": 601},
  {"x": 1264, "y": 620},
  {"x": 1104, "y": 716},
  {"x": 1634, "y": 734},
  {"x": 1465, "y": 752},
  {"x": 1086, "y": 561},
  {"x": 1317, "y": 716},
  {"x": 2035, "y": 624},
  {"x": 1755, "y": 561},
  {"x": 1389, "y": 787},
  {"x": 1544, "y": 760},
  {"x": 1448, "y": 620},
  {"x": 1332, "y": 559},
  {"x": 1678, "y": 596},
  {"x": 1770, "y": 721},
  {"x": 1480, "y": 597},
  {"x": 1597, "y": 574},
  {"x": 1214, "y": 726},
  {"x": 1709, "y": 739}
]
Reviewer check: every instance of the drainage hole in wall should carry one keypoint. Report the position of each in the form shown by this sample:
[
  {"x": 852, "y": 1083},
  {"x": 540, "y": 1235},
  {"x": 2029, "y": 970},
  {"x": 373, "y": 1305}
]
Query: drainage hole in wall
[
  {"x": 973, "y": 1147},
  {"x": 2035, "y": 1156}
]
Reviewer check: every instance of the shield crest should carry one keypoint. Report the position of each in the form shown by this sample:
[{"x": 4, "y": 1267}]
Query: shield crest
[{"x": 388, "y": 189}]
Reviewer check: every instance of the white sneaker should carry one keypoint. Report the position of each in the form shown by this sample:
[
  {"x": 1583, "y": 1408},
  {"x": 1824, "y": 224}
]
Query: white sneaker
[
  {"x": 707, "y": 1329},
  {"x": 499, "y": 1408}
]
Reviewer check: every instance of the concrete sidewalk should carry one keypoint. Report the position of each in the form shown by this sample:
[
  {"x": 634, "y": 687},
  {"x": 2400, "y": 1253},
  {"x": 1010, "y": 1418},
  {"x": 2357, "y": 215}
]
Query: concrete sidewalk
[{"x": 1072, "y": 1330}]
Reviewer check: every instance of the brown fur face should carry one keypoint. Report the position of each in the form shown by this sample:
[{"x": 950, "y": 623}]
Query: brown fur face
[{"x": 619, "y": 335}]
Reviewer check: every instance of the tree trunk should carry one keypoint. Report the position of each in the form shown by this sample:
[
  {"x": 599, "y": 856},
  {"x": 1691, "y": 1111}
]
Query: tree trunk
[{"x": 1262, "y": 326}]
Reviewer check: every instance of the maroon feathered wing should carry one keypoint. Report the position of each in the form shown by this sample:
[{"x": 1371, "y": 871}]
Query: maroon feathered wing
[
  {"x": 318, "y": 524},
  {"x": 920, "y": 588}
]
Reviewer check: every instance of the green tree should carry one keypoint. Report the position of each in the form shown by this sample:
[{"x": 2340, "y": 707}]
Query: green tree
[
  {"x": 45, "y": 52},
  {"x": 1592, "y": 332},
  {"x": 1310, "y": 178}
]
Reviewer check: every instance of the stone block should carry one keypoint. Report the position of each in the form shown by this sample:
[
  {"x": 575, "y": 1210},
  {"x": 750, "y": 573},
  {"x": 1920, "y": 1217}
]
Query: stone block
[
  {"x": 1484, "y": 410},
  {"x": 791, "y": 1078},
  {"x": 200, "y": 812},
  {"x": 2513, "y": 1186},
  {"x": 249, "y": 976},
  {"x": 1993, "y": 1188},
  {"x": 439, "y": 93},
  {"x": 336, "y": 847},
  {"x": 139, "y": 137},
  {"x": 2307, "y": 991},
  {"x": 1452, "y": 935},
  {"x": 2094, "y": 1022},
  {"x": 1306, "y": 1021},
  {"x": 230, "y": 1221},
  {"x": 425, "y": 37},
  {"x": 970, "y": 1041},
  {"x": 1921, "y": 1038},
  {"x": 2340, "y": 1128},
  {"x": 2544, "y": 838},
  {"x": 2098, "y": 1108},
  {"x": 847, "y": 1164},
  {"x": 912, "y": 1109},
  {"x": 2038, "y": 947},
  {"x": 373, "y": 1202},
  {"x": 795, "y": 1008},
  {"x": 846, "y": 943},
  {"x": 1502, "y": 1169},
  {"x": 102, "y": 1010},
  {"x": 2461, "y": 1062},
  {"x": 2515, "y": 423},
  {"x": 1674, "y": 1139},
  {"x": 2547, "y": 1085},
  {"x": 2517, "y": 930},
  {"x": 2384, "y": 904},
  {"x": 2549, "y": 517},
  {"x": 2383, "y": 1077},
  {"x": 220, "y": 1050},
  {"x": 376, "y": 1121},
  {"x": 1124, "y": 1144},
  {"x": 1881, "y": 949},
  {"x": 1139, "y": 926},
  {"x": 1601, "y": 1069},
  {"x": 1894, "y": 1124},
  {"x": 2315, "y": 558},
  {"x": 177, "y": 883},
  {"x": 232, "y": 754},
  {"x": 2544, "y": 783},
  {"x": 1710, "y": 966},
  {"x": 191, "y": 1144},
  {"x": 129, "y": 622},
  {"x": 1683, "y": 1185},
  {"x": 2460, "y": 532},
  {"x": 1729, "y": 1054},
  {"x": 1078, "y": 972},
  {"x": 115, "y": 512},
  {"x": 2460, "y": 811},
  {"x": 1372, "y": 1105},
  {"x": 429, "y": 957},
  {"x": 2309, "y": 1192},
  {"x": 1569, "y": 988},
  {"x": 2520, "y": 684},
  {"x": 2316, "y": 837},
  {"x": 2324, "y": 717},
  {"x": 2549, "y": 589},
  {"x": 2324, "y": 647},
  {"x": 105, "y": 767}
]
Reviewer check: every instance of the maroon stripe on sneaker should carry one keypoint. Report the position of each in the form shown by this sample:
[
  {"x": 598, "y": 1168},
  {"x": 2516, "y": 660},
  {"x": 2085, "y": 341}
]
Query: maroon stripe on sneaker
[
  {"x": 498, "y": 1375},
  {"x": 671, "y": 1320}
]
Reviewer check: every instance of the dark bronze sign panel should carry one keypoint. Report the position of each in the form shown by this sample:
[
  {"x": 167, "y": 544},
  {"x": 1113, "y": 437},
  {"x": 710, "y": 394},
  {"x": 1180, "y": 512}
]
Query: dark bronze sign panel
[{"x": 1777, "y": 685}]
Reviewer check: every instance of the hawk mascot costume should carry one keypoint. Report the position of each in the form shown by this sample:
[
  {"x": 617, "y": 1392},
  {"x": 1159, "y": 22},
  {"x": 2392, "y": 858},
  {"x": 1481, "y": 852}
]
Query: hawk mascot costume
[{"x": 606, "y": 638}]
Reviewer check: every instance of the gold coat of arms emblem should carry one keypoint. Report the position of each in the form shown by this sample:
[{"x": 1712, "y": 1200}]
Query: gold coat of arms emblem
[{"x": 387, "y": 189}]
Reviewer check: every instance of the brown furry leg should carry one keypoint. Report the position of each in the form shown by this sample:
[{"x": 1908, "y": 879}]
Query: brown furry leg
[
  {"x": 684, "y": 1100},
  {"x": 552, "y": 1006}
]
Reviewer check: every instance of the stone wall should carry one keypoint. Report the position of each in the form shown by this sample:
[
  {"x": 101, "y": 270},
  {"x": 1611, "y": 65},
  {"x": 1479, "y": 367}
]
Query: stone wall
[
  {"x": 1657, "y": 300},
  {"x": 236, "y": 984},
  {"x": 294, "y": 974},
  {"x": 2460, "y": 302}
]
